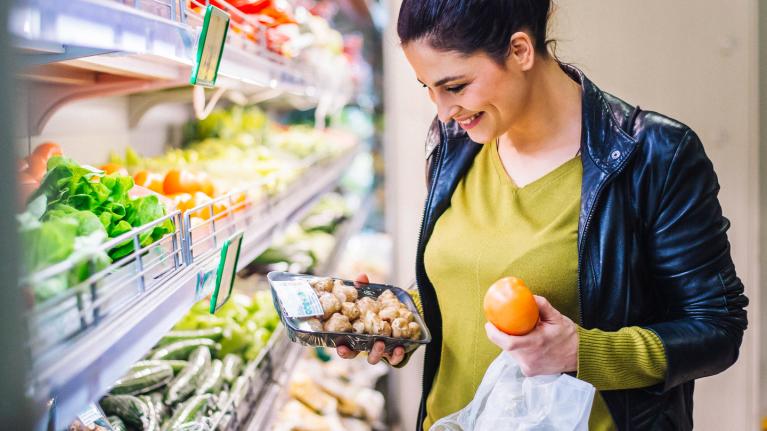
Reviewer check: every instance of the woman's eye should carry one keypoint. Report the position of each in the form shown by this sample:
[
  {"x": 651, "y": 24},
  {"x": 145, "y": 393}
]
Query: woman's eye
[
  {"x": 424, "y": 86},
  {"x": 455, "y": 88}
]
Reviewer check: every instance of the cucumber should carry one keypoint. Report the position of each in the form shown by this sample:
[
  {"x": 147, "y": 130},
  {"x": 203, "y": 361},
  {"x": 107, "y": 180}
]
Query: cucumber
[
  {"x": 176, "y": 364},
  {"x": 182, "y": 349},
  {"x": 214, "y": 378},
  {"x": 232, "y": 367},
  {"x": 187, "y": 381},
  {"x": 143, "y": 380},
  {"x": 215, "y": 334},
  {"x": 222, "y": 401},
  {"x": 189, "y": 411},
  {"x": 132, "y": 410},
  {"x": 116, "y": 423},
  {"x": 154, "y": 418},
  {"x": 162, "y": 411}
]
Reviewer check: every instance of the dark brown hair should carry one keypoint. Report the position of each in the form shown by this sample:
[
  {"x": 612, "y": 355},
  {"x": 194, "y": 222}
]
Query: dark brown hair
[{"x": 471, "y": 26}]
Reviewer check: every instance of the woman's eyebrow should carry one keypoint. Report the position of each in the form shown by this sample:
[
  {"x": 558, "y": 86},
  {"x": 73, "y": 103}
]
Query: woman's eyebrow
[{"x": 445, "y": 80}]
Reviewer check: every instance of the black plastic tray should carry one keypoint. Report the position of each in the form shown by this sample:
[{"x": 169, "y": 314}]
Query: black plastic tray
[{"x": 358, "y": 342}]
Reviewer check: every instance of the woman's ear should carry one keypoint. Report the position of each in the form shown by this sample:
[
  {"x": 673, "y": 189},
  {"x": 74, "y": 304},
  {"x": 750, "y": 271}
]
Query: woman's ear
[{"x": 521, "y": 51}]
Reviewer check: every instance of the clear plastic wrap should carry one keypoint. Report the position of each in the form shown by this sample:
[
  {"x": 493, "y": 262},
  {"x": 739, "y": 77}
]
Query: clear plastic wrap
[{"x": 299, "y": 330}]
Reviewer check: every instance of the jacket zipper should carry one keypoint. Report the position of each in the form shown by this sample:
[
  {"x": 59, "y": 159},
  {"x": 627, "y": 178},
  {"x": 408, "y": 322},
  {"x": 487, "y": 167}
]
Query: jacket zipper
[
  {"x": 419, "y": 281},
  {"x": 582, "y": 241}
]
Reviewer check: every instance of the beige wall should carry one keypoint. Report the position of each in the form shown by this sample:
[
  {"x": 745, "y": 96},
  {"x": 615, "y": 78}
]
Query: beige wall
[{"x": 693, "y": 60}]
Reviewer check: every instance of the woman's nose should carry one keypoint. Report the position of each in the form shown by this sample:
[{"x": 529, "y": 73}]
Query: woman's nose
[{"x": 446, "y": 112}]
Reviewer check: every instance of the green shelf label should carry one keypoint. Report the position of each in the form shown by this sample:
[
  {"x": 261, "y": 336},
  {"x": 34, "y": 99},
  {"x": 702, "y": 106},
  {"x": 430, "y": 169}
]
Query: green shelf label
[{"x": 210, "y": 47}]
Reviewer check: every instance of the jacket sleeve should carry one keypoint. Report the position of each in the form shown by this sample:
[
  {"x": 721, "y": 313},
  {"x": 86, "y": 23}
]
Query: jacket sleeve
[{"x": 693, "y": 272}]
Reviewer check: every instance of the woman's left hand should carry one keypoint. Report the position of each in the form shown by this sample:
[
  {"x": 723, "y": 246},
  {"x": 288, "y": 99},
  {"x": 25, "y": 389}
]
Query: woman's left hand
[{"x": 550, "y": 348}]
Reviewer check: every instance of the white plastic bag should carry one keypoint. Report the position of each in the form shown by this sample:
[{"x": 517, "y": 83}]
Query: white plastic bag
[{"x": 506, "y": 400}]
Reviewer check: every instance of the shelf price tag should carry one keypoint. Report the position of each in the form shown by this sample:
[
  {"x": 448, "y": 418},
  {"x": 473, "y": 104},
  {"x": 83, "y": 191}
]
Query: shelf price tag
[
  {"x": 210, "y": 47},
  {"x": 227, "y": 270}
]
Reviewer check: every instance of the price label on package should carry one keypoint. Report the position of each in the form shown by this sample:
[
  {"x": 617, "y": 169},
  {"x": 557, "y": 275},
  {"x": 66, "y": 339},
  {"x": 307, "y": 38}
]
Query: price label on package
[{"x": 298, "y": 298}]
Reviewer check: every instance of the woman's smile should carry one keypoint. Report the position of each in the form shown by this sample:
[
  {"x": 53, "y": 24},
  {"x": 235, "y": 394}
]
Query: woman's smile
[{"x": 470, "y": 122}]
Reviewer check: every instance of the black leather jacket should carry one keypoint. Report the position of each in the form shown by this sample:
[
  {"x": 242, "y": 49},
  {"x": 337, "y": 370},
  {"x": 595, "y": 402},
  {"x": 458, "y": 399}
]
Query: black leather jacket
[{"x": 652, "y": 249}]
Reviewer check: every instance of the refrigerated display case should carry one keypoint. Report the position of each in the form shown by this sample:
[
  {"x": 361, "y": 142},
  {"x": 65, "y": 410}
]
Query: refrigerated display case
[{"x": 84, "y": 338}]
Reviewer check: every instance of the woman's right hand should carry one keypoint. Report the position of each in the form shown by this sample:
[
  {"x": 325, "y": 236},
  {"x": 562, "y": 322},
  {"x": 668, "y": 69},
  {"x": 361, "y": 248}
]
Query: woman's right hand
[{"x": 375, "y": 355}]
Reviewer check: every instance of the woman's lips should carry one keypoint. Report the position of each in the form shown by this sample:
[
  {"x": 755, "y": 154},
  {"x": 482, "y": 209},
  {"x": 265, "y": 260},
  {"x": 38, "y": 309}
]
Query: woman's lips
[{"x": 470, "y": 122}]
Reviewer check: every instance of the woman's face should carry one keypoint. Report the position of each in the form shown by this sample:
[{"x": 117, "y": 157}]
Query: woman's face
[{"x": 480, "y": 95}]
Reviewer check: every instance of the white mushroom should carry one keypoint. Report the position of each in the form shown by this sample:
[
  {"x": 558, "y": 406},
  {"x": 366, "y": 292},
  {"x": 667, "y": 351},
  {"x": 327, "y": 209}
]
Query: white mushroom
[
  {"x": 415, "y": 330},
  {"x": 338, "y": 323},
  {"x": 406, "y": 314},
  {"x": 358, "y": 327},
  {"x": 315, "y": 324},
  {"x": 368, "y": 304},
  {"x": 389, "y": 313},
  {"x": 322, "y": 284},
  {"x": 330, "y": 304},
  {"x": 400, "y": 328},
  {"x": 350, "y": 310},
  {"x": 373, "y": 323},
  {"x": 386, "y": 330}
]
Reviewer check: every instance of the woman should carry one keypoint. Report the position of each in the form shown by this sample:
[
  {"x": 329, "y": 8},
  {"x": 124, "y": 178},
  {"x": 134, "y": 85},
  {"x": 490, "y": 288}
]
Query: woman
[{"x": 609, "y": 213}]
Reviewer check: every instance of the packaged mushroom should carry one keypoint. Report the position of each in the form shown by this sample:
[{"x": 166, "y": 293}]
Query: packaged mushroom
[{"x": 323, "y": 311}]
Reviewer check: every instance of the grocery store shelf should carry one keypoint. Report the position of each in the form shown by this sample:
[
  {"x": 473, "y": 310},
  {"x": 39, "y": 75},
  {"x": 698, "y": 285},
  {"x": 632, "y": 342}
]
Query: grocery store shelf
[
  {"x": 84, "y": 368},
  {"x": 274, "y": 392},
  {"x": 148, "y": 46}
]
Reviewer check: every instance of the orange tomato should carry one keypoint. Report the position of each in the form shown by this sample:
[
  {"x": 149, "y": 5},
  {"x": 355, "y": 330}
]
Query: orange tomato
[
  {"x": 180, "y": 181},
  {"x": 206, "y": 185},
  {"x": 511, "y": 307},
  {"x": 37, "y": 167},
  {"x": 150, "y": 180},
  {"x": 112, "y": 168},
  {"x": 183, "y": 201},
  {"x": 47, "y": 150},
  {"x": 27, "y": 186},
  {"x": 239, "y": 201}
]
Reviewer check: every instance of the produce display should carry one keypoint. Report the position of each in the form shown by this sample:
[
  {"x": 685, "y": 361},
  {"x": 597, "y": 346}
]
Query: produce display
[
  {"x": 72, "y": 211},
  {"x": 235, "y": 151},
  {"x": 326, "y": 393},
  {"x": 196, "y": 369}
]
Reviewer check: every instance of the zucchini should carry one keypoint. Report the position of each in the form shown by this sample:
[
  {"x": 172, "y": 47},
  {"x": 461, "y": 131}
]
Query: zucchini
[
  {"x": 143, "y": 380},
  {"x": 215, "y": 334},
  {"x": 182, "y": 349},
  {"x": 132, "y": 410},
  {"x": 189, "y": 411},
  {"x": 232, "y": 367},
  {"x": 214, "y": 378},
  {"x": 187, "y": 381},
  {"x": 176, "y": 364},
  {"x": 154, "y": 419},
  {"x": 116, "y": 423}
]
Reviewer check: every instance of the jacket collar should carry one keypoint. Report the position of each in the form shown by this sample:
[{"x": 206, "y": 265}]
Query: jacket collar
[{"x": 602, "y": 138}]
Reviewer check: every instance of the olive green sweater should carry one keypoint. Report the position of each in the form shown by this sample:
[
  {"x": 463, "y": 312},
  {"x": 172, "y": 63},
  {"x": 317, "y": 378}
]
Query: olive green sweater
[{"x": 494, "y": 229}]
